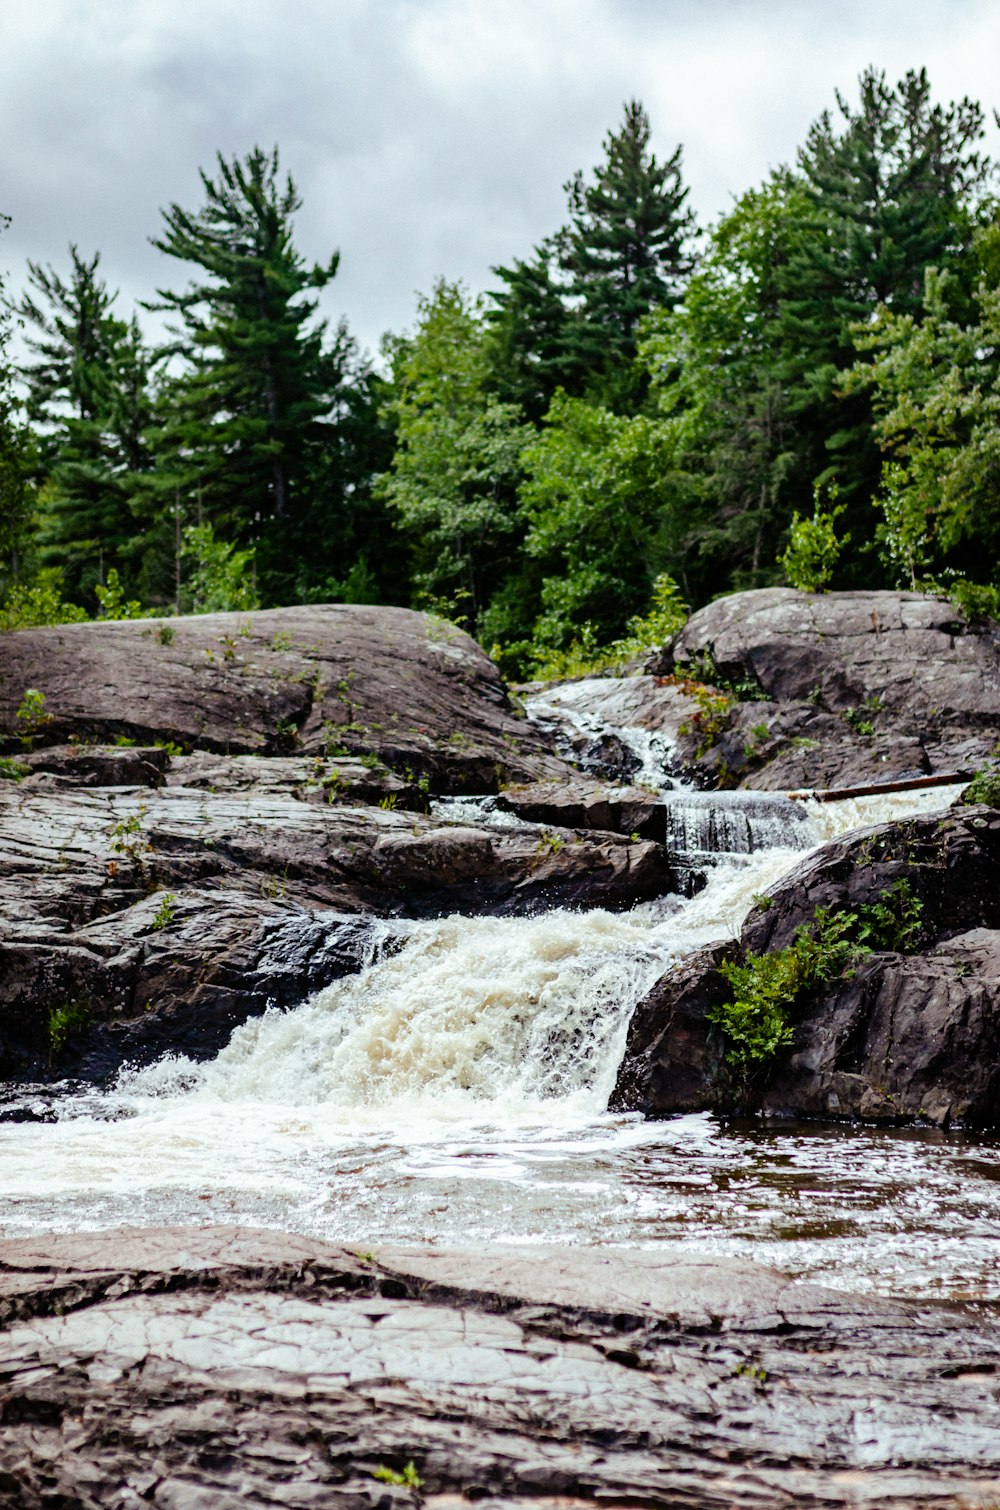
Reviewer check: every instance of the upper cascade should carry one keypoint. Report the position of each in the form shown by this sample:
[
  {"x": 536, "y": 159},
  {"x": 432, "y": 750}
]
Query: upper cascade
[{"x": 736, "y": 822}]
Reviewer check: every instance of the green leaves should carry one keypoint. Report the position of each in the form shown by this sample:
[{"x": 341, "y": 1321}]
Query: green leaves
[
  {"x": 813, "y": 549},
  {"x": 759, "y": 1020},
  {"x": 454, "y": 475},
  {"x": 248, "y": 418},
  {"x": 935, "y": 387}
]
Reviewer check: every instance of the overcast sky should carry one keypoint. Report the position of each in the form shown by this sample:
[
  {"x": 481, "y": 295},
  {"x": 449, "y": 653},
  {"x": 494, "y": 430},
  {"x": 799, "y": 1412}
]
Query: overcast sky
[{"x": 427, "y": 137}]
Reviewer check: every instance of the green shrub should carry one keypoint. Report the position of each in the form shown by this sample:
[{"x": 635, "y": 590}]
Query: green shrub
[
  {"x": 112, "y": 600},
  {"x": 759, "y": 1020},
  {"x": 974, "y": 601},
  {"x": 34, "y": 607},
  {"x": 12, "y": 770},
  {"x": 813, "y": 548},
  {"x": 31, "y": 716},
  {"x": 893, "y": 920},
  {"x": 64, "y": 1020},
  {"x": 984, "y": 787},
  {"x": 584, "y": 656}
]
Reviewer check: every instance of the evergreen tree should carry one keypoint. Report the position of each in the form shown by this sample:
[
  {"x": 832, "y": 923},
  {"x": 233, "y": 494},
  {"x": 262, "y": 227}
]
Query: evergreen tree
[
  {"x": 627, "y": 247},
  {"x": 568, "y": 317},
  {"x": 83, "y": 393},
  {"x": 252, "y": 414},
  {"x": 891, "y": 189},
  {"x": 16, "y": 462},
  {"x": 532, "y": 351}
]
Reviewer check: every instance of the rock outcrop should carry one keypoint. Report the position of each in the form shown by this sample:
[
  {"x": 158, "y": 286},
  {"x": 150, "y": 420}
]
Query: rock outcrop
[
  {"x": 336, "y": 680},
  {"x": 268, "y": 796},
  {"x": 837, "y": 689},
  {"x": 150, "y": 914},
  {"x": 905, "y": 1035},
  {"x": 186, "y": 1369}
]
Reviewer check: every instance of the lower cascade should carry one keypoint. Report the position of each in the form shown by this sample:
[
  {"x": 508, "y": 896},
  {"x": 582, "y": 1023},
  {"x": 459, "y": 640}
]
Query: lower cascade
[{"x": 455, "y": 1089}]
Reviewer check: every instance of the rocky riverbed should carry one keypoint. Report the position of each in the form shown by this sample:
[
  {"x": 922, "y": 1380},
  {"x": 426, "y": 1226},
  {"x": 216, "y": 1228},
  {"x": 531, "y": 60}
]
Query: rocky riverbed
[{"x": 340, "y": 814}]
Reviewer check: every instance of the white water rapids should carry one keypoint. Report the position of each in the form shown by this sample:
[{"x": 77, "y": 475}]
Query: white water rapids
[{"x": 455, "y": 1091}]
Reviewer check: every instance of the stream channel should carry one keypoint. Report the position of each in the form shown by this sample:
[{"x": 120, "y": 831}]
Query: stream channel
[{"x": 455, "y": 1092}]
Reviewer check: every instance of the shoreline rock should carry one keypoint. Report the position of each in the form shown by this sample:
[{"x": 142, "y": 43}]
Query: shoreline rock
[
  {"x": 222, "y": 1367},
  {"x": 904, "y": 1036},
  {"x": 836, "y": 689}
]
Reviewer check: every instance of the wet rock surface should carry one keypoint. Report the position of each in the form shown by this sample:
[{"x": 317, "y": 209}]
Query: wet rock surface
[
  {"x": 581, "y": 716},
  {"x": 912, "y": 1034},
  {"x": 224, "y": 1367},
  {"x": 851, "y": 687},
  {"x": 152, "y": 913}
]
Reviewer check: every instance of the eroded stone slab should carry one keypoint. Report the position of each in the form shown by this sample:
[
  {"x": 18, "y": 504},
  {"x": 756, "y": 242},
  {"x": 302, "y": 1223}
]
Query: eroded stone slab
[{"x": 223, "y": 1366}]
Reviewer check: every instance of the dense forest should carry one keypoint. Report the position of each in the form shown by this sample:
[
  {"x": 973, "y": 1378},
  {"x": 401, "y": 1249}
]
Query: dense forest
[{"x": 640, "y": 415}]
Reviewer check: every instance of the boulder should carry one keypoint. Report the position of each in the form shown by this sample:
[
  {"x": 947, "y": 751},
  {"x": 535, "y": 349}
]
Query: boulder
[
  {"x": 337, "y": 680},
  {"x": 836, "y": 689},
  {"x": 588, "y": 804},
  {"x": 226, "y": 1367},
  {"x": 907, "y": 1035}
]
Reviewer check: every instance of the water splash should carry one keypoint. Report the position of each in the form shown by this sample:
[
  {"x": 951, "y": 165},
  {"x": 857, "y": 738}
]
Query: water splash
[{"x": 597, "y": 708}]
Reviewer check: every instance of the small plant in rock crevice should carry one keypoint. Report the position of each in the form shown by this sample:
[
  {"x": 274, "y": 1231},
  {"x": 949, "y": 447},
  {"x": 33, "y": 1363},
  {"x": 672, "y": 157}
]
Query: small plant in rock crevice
[
  {"x": 13, "y": 770},
  {"x": 860, "y": 718},
  {"x": 711, "y": 717},
  {"x": 31, "y": 716},
  {"x": 702, "y": 667},
  {"x": 984, "y": 787},
  {"x": 164, "y": 914},
  {"x": 128, "y": 838},
  {"x": 758, "y": 1020},
  {"x": 69, "y": 1018},
  {"x": 406, "y": 1477}
]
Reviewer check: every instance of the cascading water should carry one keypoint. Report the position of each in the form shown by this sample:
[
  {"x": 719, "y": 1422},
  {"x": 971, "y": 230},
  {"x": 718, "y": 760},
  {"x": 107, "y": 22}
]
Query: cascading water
[{"x": 455, "y": 1091}]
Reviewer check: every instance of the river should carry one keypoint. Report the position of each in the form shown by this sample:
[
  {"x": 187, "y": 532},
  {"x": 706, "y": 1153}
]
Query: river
[{"x": 455, "y": 1092}]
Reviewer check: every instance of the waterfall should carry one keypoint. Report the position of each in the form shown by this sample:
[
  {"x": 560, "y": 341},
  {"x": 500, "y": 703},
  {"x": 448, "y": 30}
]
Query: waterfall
[
  {"x": 737, "y": 822},
  {"x": 612, "y": 726}
]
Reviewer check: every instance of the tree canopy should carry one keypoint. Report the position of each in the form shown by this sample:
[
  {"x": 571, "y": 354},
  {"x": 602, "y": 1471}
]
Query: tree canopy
[{"x": 639, "y": 410}]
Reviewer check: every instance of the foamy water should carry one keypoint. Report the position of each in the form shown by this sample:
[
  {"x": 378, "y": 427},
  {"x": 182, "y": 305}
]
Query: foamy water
[{"x": 455, "y": 1091}]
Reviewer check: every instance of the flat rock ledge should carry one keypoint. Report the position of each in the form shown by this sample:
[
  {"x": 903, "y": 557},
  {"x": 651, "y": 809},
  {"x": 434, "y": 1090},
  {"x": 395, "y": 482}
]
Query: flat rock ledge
[{"x": 223, "y": 1368}]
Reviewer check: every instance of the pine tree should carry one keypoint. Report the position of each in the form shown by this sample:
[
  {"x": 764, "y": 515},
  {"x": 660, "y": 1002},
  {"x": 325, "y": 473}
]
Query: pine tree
[
  {"x": 626, "y": 250},
  {"x": 81, "y": 386},
  {"x": 568, "y": 317},
  {"x": 16, "y": 461},
  {"x": 250, "y": 415},
  {"x": 892, "y": 188},
  {"x": 531, "y": 351}
]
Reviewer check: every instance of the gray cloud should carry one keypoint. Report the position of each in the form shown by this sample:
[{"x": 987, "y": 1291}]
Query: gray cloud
[{"x": 428, "y": 137}]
